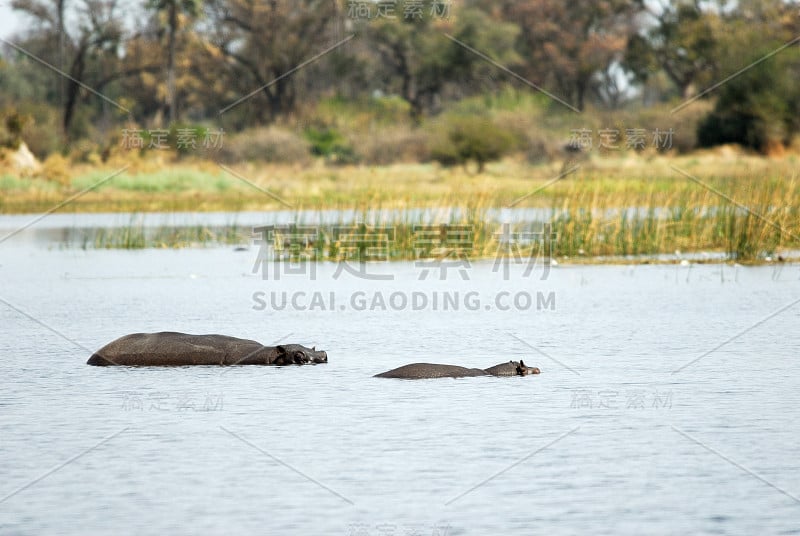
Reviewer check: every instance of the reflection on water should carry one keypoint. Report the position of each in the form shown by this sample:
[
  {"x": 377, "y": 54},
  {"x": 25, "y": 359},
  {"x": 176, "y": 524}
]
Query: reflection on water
[
  {"x": 80, "y": 229},
  {"x": 664, "y": 405}
]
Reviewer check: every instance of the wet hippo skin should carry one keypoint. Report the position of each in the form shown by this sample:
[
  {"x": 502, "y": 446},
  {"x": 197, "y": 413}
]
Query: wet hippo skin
[
  {"x": 171, "y": 349},
  {"x": 418, "y": 371}
]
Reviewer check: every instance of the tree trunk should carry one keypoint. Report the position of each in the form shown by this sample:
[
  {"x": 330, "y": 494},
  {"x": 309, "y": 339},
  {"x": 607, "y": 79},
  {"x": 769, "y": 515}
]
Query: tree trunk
[
  {"x": 173, "y": 28},
  {"x": 62, "y": 46},
  {"x": 73, "y": 90},
  {"x": 416, "y": 111},
  {"x": 275, "y": 97},
  {"x": 580, "y": 95},
  {"x": 412, "y": 96},
  {"x": 688, "y": 90}
]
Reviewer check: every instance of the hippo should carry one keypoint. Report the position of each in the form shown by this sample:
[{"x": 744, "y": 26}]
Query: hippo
[
  {"x": 171, "y": 349},
  {"x": 417, "y": 371}
]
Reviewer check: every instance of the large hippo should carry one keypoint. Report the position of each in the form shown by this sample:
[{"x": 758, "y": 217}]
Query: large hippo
[
  {"x": 170, "y": 349},
  {"x": 418, "y": 371}
]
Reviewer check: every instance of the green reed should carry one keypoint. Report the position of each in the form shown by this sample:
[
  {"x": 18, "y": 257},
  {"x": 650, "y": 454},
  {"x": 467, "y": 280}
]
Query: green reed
[{"x": 586, "y": 223}]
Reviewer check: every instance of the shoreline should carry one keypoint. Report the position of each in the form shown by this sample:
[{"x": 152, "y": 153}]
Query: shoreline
[{"x": 618, "y": 207}]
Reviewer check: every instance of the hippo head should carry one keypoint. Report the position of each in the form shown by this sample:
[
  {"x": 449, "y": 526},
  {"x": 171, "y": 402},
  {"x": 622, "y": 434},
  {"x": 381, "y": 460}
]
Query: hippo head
[
  {"x": 523, "y": 370},
  {"x": 297, "y": 354},
  {"x": 511, "y": 368}
]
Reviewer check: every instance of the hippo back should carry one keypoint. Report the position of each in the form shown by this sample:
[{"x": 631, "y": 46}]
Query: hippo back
[
  {"x": 418, "y": 371},
  {"x": 177, "y": 349}
]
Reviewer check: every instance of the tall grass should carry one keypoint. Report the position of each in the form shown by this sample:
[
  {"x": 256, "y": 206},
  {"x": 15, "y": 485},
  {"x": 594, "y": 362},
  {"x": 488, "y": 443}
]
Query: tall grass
[
  {"x": 600, "y": 228},
  {"x": 744, "y": 206},
  {"x": 136, "y": 236},
  {"x": 691, "y": 218}
]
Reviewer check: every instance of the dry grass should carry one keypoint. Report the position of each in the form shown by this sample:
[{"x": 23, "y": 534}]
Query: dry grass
[{"x": 717, "y": 200}]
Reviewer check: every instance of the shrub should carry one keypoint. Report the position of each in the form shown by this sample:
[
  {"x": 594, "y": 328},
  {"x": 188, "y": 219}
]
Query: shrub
[
  {"x": 684, "y": 124},
  {"x": 472, "y": 139},
  {"x": 358, "y": 113},
  {"x": 14, "y": 123},
  {"x": 328, "y": 142},
  {"x": 57, "y": 169},
  {"x": 270, "y": 144},
  {"x": 538, "y": 147},
  {"x": 42, "y": 134},
  {"x": 537, "y": 141},
  {"x": 390, "y": 145},
  {"x": 85, "y": 151}
]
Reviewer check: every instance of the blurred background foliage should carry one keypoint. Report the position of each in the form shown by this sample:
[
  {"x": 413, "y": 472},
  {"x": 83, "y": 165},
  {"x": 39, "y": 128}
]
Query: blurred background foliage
[{"x": 397, "y": 81}]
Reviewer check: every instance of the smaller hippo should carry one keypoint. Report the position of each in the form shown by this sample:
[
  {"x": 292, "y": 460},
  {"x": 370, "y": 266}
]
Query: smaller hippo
[{"x": 418, "y": 371}]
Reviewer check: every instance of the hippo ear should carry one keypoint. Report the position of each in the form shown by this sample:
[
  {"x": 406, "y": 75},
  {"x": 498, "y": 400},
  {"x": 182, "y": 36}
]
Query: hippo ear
[
  {"x": 522, "y": 363},
  {"x": 313, "y": 348}
]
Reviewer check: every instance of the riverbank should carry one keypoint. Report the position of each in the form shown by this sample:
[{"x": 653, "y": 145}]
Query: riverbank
[{"x": 742, "y": 206}]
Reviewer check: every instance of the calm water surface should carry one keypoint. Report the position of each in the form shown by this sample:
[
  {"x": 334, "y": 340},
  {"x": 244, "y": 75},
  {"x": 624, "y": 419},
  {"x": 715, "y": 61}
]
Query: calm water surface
[{"x": 625, "y": 431}]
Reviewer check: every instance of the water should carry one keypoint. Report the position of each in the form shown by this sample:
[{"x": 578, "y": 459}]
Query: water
[{"x": 607, "y": 440}]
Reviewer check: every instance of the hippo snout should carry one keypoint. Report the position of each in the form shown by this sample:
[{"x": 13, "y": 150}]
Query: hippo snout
[{"x": 296, "y": 354}]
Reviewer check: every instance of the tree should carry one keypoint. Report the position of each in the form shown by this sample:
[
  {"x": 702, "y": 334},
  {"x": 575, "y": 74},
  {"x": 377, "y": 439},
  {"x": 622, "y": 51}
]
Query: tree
[
  {"x": 568, "y": 43},
  {"x": 264, "y": 42},
  {"x": 98, "y": 36},
  {"x": 760, "y": 108},
  {"x": 173, "y": 10},
  {"x": 420, "y": 60},
  {"x": 682, "y": 39}
]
